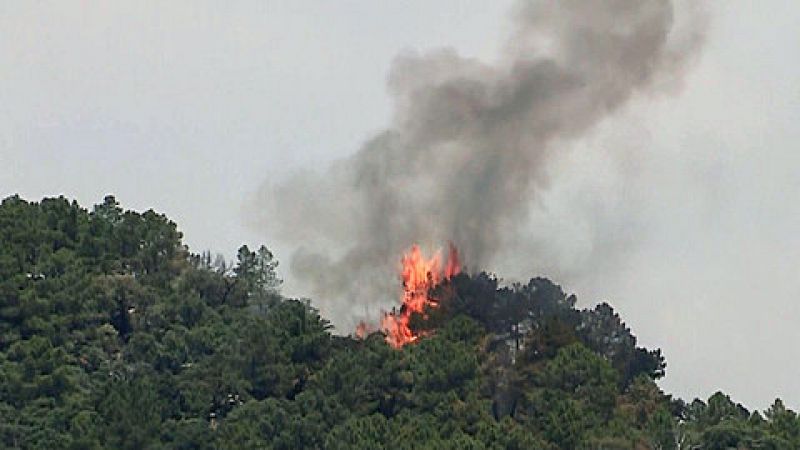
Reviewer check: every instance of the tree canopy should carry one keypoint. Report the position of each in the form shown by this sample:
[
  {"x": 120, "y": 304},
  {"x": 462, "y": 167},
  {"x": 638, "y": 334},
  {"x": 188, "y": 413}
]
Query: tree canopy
[{"x": 113, "y": 334}]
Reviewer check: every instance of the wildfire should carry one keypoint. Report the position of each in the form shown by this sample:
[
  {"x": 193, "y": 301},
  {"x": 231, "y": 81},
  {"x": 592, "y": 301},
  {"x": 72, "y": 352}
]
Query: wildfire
[{"x": 419, "y": 276}]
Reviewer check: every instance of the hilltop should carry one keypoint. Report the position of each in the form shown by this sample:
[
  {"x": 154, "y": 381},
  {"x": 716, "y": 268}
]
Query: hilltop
[{"x": 113, "y": 334}]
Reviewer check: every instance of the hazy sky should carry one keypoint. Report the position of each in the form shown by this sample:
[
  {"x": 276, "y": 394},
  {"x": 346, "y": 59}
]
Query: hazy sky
[{"x": 682, "y": 210}]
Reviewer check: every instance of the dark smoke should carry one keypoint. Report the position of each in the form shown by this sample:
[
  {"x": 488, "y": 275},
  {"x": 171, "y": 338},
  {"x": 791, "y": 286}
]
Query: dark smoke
[{"x": 468, "y": 146}]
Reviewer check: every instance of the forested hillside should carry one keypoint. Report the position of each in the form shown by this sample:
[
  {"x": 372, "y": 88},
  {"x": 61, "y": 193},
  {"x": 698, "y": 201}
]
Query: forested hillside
[{"x": 114, "y": 335}]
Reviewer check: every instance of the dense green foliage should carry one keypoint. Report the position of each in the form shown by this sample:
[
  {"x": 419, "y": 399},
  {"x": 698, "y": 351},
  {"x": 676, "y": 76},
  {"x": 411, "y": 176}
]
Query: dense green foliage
[{"x": 113, "y": 335}]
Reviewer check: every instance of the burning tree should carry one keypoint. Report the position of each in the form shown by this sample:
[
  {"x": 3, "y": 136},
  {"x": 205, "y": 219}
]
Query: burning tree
[{"x": 420, "y": 277}]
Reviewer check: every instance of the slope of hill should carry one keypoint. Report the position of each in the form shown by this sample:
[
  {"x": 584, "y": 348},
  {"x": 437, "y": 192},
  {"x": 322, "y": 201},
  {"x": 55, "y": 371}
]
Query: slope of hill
[{"x": 114, "y": 335}]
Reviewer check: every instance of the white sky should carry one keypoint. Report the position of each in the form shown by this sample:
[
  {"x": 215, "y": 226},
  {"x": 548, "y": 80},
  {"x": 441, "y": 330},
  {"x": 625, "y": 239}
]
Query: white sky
[{"x": 188, "y": 107}]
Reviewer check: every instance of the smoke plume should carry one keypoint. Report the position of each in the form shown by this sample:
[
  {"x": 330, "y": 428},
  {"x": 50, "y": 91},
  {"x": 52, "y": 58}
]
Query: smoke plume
[{"x": 467, "y": 149}]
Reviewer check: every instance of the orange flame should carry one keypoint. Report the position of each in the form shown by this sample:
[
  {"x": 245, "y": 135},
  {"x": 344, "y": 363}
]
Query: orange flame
[
  {"x": 419, "y": 276},
  {"x": 362, "y": 330}
]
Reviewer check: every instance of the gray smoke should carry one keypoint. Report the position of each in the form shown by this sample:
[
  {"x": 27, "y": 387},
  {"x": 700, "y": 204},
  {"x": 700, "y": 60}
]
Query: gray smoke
[{"x": 468, "y": 147}]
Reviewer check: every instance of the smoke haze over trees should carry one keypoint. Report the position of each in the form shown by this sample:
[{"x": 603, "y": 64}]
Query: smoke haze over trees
[
  {"x": 469, "y": 144},
  {"x": 114, "y": 335}
]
